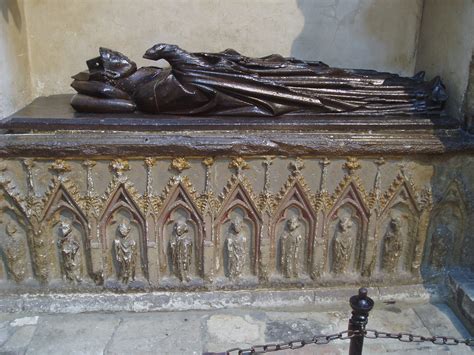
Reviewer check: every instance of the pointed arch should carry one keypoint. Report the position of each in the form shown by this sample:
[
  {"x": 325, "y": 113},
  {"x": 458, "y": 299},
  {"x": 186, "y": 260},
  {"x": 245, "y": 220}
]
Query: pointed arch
[
  {"x": 237, "y": 196},
  {"x": 351, "y": 197},
  {"x": 451, "y": 212},
  {"x": 402, "y": 205},
  {"x": 119, "y": 200},
  {"x": 179, "y": 197},
  {"x": 295, "y": 196}
]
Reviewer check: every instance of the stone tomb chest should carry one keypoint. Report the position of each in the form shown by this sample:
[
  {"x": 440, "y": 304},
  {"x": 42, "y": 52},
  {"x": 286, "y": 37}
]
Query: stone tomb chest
[{"x": 138, "y": 202}]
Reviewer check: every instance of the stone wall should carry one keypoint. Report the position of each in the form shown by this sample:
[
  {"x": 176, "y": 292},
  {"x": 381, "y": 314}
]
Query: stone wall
[
  {"x": 446, "y": 47},
  {"x": 15, "y": 88},
  {"x": 232, "y": 223}
]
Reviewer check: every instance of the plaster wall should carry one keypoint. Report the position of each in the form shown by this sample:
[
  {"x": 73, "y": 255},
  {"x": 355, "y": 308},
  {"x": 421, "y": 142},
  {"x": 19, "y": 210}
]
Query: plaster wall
[
  {"x": 14, "y": 65},
  {"x": 446, "y": 46},
  {"x": 373, "y": 34}
]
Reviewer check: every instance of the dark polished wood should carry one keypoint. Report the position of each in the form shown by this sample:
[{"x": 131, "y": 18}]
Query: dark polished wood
[
  {"x": 55, "y": 113},
  {"x": 50, "y": 128}
]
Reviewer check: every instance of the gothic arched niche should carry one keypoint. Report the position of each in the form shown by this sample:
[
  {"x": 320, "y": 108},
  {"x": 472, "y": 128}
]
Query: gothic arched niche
[
  {"x": 238, "y": 210},
  {"x": 237, "y": 244},
  {"x": 72, "y": 245},
  {"x": 183, "y": 253},
  {"x": 347, "y": 226},
  {"x": 397, "y": 234},
  {"x": 68, "y": 228},
  {"x": 292, "y": 233},
  {"x": 122, "y": 227},
  {"x": 445, "y": 241},
  {"x": 14, "y": 248},
  {"x": 181, "y": 229},
  {"x": 292, "y": 240},
  {"x": 345, "y": 232}
]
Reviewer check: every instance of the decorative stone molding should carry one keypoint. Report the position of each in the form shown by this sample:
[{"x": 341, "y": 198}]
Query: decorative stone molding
[{"x": 60, "y": 224}]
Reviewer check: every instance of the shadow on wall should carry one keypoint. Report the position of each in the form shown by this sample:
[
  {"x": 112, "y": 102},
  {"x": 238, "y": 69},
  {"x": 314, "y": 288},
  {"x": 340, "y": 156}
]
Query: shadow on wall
[
  {"x": 11, "y": 9},
  {"x": 359, "y": 34}
]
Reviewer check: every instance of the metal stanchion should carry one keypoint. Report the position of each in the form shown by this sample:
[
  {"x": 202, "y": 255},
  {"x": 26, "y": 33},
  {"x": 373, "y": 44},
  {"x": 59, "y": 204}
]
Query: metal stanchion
[{"x": 361, "y": 306}]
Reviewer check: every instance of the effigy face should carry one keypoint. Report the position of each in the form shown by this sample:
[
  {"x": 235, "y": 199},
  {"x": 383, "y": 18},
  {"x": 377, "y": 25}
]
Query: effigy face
[{"x": 230, "y": 84}]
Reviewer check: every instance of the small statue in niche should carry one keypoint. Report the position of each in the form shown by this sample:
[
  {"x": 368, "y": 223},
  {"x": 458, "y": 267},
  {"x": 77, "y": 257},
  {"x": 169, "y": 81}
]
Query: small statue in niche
[
  {"x": 392, "y": 245},
  {"x": 181, "y": 245},
  {"x": 441, "y": 244},
  {"x": 125, "y": 252},
  {"x": 290, "y": 246},
  {"x": 69, "y": 249},
  {"x": 236, "y": 246},
  {"x": 15, "y": 253},
  {"x": 343, "y": 243}
]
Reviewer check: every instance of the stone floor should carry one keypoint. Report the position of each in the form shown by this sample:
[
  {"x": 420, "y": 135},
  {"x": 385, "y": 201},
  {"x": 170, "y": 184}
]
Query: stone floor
[{"x": 192, "y": 332}]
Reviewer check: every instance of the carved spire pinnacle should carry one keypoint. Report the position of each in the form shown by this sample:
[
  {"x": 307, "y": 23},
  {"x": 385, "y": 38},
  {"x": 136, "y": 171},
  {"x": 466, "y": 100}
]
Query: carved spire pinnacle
[
  {"x": 324, "y": 165},
  {"x": 29, "y": 163},
  {"x": 119, "y": 167},
  {"x": 266, "y": 164},
  {"x": 208, "y": 162},
  {"x": 239, "y": 164},
  {"x": 296, "y": 166},
  {"x": 89, "y": 164},
  {"x": 179, "y": 164},
  {"x": 149, "y": 163},
  {"x": 60, "y": 167},
  {"x": 351, "y": 165}
]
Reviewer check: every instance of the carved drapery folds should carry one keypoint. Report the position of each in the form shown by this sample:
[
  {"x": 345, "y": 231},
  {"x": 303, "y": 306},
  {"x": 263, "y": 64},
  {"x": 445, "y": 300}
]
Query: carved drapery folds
[
  {"x": 122, "y": 229},
  {"x": 181, "y": 230},
  {"x": 293, "y": 226},
  {"x": 144, "y": 226},
  {"x": 347, "y": 224}
]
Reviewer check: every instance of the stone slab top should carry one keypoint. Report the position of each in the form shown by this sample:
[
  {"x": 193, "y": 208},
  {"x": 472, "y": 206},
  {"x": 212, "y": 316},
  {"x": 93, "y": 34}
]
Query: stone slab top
[
  {"x": 50, "y": 127},
  {"x": 55, "y": 113}
]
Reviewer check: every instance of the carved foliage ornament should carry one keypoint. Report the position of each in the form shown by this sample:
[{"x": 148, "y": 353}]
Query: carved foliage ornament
[{"x": 128, "y": 251}]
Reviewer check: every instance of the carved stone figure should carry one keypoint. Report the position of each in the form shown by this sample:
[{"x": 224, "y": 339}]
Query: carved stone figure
[
  {"x": 236, "y": 248},
  {"x": 181, "y": 245},
  {"x": 125, "y": 253},
  {"x": 343, "y": 243},
  {"x": 290, "y": 246},
  {"x": 70, "y": 252},
  {"x": 15, "y": 253},
  {"x": 228, "y": 83},
  {"x": 392, "y": 245},
  {"x": 441, "y": 245}
]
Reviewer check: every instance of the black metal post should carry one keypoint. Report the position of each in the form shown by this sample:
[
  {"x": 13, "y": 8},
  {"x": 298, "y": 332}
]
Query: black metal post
[{"x": 361, "y": 306}]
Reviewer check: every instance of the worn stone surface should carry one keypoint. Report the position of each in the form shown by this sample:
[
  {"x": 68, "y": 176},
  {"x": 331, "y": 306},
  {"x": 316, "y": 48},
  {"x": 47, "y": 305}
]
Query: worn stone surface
[
  {"x": 192, "y": 332},
  {"x": 61, "y": 334},
  {"x": 461, "y": 286},
  {"x": 151, "y": 333},
  {"x": 95, "y": 197},
  {"x": 319, "y": 299}
]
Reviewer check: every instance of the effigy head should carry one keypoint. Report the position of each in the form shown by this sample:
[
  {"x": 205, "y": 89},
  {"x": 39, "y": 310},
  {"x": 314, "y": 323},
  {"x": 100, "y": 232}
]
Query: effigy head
[
  {"x": 293, "y": 223},
  {"x": 11, "y": 229},
  {"x": 237, "y": 224},
  {"x": 124, "y": 228},
  {"x": 180, "y": 227},
  {"x": 160, "y": 51},
  {"x": 395, "y": 223},
  {"x": 65, "y": 228},
  {"x": 111, "y": 64}
]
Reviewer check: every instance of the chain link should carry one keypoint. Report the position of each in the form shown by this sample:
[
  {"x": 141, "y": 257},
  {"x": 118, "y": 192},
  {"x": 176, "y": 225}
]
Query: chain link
[{"x": 344, "y": 335}]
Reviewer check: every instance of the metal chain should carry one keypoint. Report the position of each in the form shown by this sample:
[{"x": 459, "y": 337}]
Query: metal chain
[
  {"x": 295, "y": 344},
  {"x": 368, "y": 334},
  {"x": 411, "y": 338}
]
